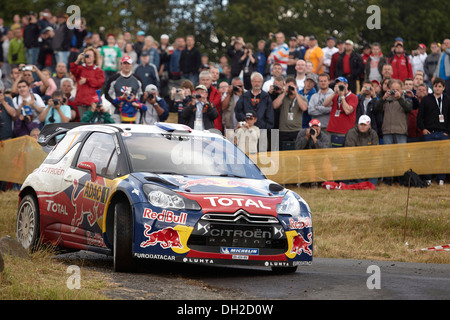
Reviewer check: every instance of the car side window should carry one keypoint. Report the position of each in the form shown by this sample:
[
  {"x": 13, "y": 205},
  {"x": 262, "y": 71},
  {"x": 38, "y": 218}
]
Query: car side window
[{"x": 100, "y": 149}]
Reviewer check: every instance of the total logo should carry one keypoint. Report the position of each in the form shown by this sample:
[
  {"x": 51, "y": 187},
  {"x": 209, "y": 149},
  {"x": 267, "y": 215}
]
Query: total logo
[
  {"x": 165, "y": 216},
  {"x": 240, "y": 202}
]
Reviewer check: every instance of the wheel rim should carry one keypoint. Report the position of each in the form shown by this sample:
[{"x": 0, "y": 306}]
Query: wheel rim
[{"x": 26, "y": 224}]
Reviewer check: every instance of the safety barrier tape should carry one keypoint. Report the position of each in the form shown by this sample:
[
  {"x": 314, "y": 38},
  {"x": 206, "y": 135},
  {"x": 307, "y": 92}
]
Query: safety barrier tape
[{"x": 436, "y": 248}]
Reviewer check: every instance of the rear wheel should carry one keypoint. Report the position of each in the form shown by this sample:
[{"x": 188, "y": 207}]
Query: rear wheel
[
  {"x": 123, "y": 235},
  {"x": 27, "y": 224}
]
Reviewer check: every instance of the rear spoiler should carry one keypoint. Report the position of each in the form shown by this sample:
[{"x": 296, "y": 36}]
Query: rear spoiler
[{"x": 48, "y": 134}]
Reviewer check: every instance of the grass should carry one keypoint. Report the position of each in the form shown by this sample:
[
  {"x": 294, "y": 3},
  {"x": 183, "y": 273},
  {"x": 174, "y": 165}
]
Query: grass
[{"x": 348, "y": 224}]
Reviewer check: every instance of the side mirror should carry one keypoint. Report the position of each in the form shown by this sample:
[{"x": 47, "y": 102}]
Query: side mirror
[{"x": 86, "y": 165}]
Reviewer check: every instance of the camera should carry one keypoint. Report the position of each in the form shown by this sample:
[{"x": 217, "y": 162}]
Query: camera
[
  {"x": 242, "y": 123},
  {"x": 392, "y": 92},
  {"x": 312, "y": 132},
  {"x": 27, "y": 68},
  {"x": 291, "y": 89},
  {"x": 56, "y": 102},
  {"x": 368, "y": 88},
  {"x": 276, "y": 88},
  {"x": 197, "y": 96},
  {"x": 235, "y": 89},
  {"x": 151, "y": 96},
  {"x": 341, "y": 87}
]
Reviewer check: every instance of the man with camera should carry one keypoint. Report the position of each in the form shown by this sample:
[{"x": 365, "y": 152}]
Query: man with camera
[
  {"x": 26, "y": 73},
  {"x": 291, "y": 105},
  {"x": 343, "y": 105},
  {"x": 312, "y": 137},
  {"x": 200, "y": 114},
  {"x": 232, "y": 96},
  {"x": 57, "y": 111},
  {"x": 97, "y": 114},
  {"x": 157, "y": 109}
]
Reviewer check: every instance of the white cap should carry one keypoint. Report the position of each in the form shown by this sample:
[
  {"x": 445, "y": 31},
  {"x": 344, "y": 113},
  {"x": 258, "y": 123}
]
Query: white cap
[{"x": 364, "y": 120}]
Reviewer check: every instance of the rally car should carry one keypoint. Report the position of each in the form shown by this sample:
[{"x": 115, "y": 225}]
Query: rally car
[{"x": 160, "y": 192}]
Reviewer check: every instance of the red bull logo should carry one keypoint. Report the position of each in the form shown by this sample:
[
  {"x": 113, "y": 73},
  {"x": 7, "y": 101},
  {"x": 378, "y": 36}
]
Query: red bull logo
[
  {"x": 299, "y": 244},
  {"x": 167, "y": 238}
]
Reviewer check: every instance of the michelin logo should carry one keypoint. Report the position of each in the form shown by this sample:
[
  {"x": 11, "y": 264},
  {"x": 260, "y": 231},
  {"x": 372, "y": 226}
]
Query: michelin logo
[{"x": 246, "y": 251}]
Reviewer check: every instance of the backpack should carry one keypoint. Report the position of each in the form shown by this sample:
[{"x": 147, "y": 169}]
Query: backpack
[{"x": 416, "y": 181}]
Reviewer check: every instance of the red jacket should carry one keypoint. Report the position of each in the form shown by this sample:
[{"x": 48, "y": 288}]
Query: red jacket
[
  {"x": 401, "y": 67},
  {"x": 216, "y": 98},
  {"x": 95, "y": 78}
]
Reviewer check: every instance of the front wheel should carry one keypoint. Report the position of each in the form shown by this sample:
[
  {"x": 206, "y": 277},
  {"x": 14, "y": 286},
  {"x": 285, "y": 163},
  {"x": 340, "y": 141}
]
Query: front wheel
[
  {"x": 123, "y": 235},
  {"x": 27, "y": 224}
]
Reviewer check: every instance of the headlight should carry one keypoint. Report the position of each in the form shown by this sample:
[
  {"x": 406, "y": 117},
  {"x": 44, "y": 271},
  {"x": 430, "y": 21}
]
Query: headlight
[
  {"x": 290, "y": 205},
  {"x": 168, "y": 199}
]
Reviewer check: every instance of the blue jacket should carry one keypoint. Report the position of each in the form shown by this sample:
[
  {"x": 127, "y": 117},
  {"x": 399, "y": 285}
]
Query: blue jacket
[{"x": 263, "y": 109}]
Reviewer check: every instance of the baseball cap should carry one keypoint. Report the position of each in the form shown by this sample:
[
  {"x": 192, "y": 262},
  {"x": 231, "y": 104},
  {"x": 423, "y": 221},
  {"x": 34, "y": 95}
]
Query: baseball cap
[
  {"x": 311, "y": 77},
  {"x": 201, "y": 87},
  {"x": 127, "y": 59},
  {"x": 314, "y": 122},
  {"x": 151, "y": 88},
  {"x": 421, "y": 45},
  {"x": 349, "y": 42},
  {"x": 141, "y": 33},
  {"x": 250, "y": 115},
  {"x": 398, "y": 39},
  {"x": 376, "y": 81},
  {"x": 364, "y": 120},
  {"x": 341, "y": 79},
  {"x": 164, "y": 36}
]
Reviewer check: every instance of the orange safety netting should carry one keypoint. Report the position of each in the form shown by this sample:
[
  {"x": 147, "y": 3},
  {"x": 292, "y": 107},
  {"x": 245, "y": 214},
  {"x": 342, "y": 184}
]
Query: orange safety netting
[
  {"x": 301, "y": 166},
  {"x": 19, "y": 157}
]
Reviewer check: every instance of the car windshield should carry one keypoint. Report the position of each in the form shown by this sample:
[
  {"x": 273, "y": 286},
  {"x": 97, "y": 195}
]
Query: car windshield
[{"x": 186, "y": 154}]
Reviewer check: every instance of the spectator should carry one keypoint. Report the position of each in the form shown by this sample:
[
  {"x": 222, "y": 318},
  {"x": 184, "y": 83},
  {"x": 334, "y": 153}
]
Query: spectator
[
  {"x": 308, "y": 91},
  {"x": 214, "y": 97},
  {"x": 164, "y": 50},
  {"x": 335, "y": 57},
  {"x": 395, "y": 109},
  {"x": 174, "y": 65},
  {"x": 262, "y": 59},
  {"x": 232, "y": 96},
  {"x": 280, "y": 54},
  {"x": 44, "y": 19},
  {"x": 362, "y": 134},
  {"x": 110, "y": 56},
  {"x": 128, "y": 105},
  {"x": 215, "y": 75},
  {"x": 328, "y": 52},
  {"x": 62, "y": 40},
  {"x": 181, "y": 97},
  {"x": 123, "y": 80},
  {"x": 140, "y": 36},
  {"x": 350, "y": 65},
  {"x": 401, "y": 65},
  {"x": 256, "y": 100},
  {"x": 418, "y": 58},
  {"x": 247, "y": 134},
  {"x": 375, "y": 63},
  {"x": 8, "y": 115},
  {"x": 28, "y": 105},
  {"x": 66, "y": 88},
  {"x": 433, "y": 119},
  {"x": 292, "y": 105},
  {"x": 46, "y": 57},
  {"x": 235, "y": 51},
  {"x": 16, "y": 51},
  {"x": 316, "y": 108},
  {"x": 89, "y": 78},
  {"x": 312, "y": 137},
  {"x": 200, "y": 114},
  {"x": 367, "y": 101},
  {"x": 56, "y": 111},
  {"x": 97, "y": 114},
  {"x": 79, "y": 35},
  {"x": 277, "y": 71},
  {"x": 26, "y": 74},
  {"x": 129, "y": 51},
  {"x": 31, "y": 34},
  {"x": 294, "y": 56},
  {"x": 249, "y": 64},
  {"x": 443, "y": 66},
  {"x": 157, "y": 110},
  {"x": 147, "y": 72},
  {"x": 300, "y": 69},
  {"x": 343, "y": 105},
  {"x": 190, "y": 61},
  {"x": 152, "y": 51},
  {"x": 61, "y": 72},
  {"x": 414, "y": 133},
  {"x": 387, "y": 71},
  {"x": 315, "y": 55},
  {"x": 429, "y": 66}
]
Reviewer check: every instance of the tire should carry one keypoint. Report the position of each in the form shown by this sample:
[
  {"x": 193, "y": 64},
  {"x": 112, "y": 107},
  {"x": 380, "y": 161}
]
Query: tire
[
  {"x": 123, "y": 238},
  {"x": 27, "y": 223}
]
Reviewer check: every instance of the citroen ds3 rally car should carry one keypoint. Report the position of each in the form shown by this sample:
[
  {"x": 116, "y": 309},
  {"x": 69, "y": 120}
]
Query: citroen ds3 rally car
[{"x": 160, "y": 192}]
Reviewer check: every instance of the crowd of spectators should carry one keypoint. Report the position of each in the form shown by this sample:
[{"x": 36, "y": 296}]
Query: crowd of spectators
[{"x": 317, "y": 97}]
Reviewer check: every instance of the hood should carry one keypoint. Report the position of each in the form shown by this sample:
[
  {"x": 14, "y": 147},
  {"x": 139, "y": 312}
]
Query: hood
[{"x": 214, "y": 184}]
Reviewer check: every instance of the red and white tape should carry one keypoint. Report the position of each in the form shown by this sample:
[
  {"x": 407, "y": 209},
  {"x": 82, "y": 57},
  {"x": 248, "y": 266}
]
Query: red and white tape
[{"x": 437, "y": 248}]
